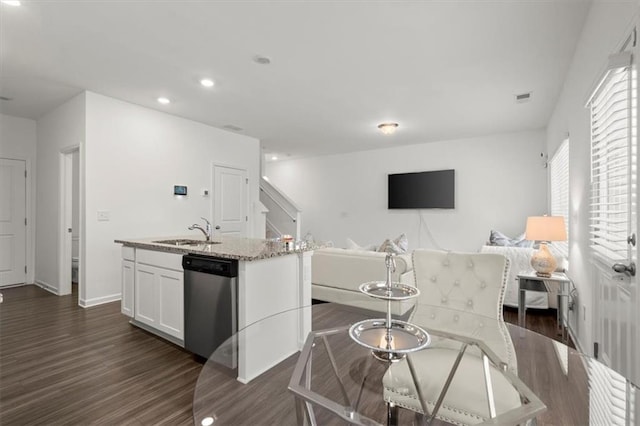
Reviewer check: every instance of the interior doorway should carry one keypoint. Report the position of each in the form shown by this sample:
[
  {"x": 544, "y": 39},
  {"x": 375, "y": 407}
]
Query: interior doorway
[
  {"x": 69, "y": 258},
  {"x": 13, "y": 222},
  {"x": 230, "y": 201}
]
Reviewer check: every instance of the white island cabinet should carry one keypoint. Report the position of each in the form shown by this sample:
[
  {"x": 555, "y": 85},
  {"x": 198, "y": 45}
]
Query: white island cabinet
[
  {"x": 159, "y": 293},
  {"x": 271, "y": 279}
]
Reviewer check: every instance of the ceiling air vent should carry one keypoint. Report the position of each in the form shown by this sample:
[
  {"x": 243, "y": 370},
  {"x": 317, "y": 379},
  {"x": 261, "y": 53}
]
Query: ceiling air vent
[
  {"x": 523, "y": 97},
  {"x": 232, "y": 128},
  {"x": 4, "y": 98}
]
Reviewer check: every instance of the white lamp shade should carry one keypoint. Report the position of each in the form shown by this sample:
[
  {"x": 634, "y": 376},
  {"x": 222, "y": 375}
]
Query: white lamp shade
[{"x": 546, "y": 228}]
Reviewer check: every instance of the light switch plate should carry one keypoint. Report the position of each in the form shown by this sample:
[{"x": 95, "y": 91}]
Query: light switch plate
[{"x": 103, "y": 216}]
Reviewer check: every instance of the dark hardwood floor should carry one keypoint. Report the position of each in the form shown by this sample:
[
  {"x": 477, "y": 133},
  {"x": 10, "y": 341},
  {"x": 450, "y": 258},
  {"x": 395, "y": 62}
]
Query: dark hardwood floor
[
  {"x": 542, "y": 321},
  {"x": 61, "y": 364},
  {"x": 64, "y": 365}
]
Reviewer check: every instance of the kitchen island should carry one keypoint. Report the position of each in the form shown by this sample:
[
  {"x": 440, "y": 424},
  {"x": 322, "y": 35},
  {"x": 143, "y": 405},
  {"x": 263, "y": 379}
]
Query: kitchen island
[{"x": 272, "y": 278}]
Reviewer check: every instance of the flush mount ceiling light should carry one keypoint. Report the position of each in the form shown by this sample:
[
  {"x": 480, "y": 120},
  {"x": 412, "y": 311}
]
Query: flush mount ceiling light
[
  {"x": 388, "y": 128},
  {"x": 274, "y": 158},
  {"x": 164, "y": 101},
  {"x": 11, "y": 2},
  {"x": 207, "y": 82}
]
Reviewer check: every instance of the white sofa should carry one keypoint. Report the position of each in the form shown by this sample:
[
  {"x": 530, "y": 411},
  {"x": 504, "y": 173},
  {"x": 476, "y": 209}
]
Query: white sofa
[{"x": 337, "y": 273}]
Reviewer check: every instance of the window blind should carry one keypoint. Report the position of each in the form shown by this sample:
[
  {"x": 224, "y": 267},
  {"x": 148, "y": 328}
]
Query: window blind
[
  {"x": 559, "y": 191},
  {"x": 611, "y": 397},
  {"x": 611, "y": 127}
]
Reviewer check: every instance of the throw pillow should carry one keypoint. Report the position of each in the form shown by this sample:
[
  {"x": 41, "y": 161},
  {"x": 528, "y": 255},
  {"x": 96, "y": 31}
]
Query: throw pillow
[
  {"x": 389, "y": 246},
  {"x": 521, "y": 242},
  {"x": 403, "y": 242},
  {"x": 497, "y": 238},
  {"x": 397, "y": 246}
]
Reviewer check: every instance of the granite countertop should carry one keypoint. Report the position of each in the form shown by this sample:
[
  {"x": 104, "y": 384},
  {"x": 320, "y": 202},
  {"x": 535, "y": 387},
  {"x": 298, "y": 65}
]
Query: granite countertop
[{"x": 223, "y": 247}]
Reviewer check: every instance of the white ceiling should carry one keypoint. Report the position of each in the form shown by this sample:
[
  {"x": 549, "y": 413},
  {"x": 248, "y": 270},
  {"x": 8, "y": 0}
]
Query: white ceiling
[{"x": 442, "y": 69}]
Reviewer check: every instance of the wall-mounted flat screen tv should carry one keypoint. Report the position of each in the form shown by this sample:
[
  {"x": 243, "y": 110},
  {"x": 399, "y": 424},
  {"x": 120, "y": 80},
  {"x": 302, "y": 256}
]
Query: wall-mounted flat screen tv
[{"x": 422, "y": 190}]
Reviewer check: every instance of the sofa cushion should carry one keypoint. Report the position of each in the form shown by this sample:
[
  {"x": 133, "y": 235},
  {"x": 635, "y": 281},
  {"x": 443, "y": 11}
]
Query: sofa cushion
[
  {"x": 352, "y": 245},
  {"x": 347, "y": 269}
]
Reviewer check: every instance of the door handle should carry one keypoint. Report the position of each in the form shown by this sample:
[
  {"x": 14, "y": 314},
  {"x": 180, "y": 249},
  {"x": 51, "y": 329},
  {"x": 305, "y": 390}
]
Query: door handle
[
  {"x": 217, "y": 226},
  {"x": 621, "y": 268}
]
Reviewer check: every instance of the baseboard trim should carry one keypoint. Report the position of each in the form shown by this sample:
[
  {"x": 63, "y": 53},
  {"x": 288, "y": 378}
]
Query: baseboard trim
[
  {"x": 150, "y": 329},
  {"x": 87, "y": 303},
  {"x": 14, "y": 285},
  {"x": 576, "y": 341},
  {"x": 47, "y": 286}
]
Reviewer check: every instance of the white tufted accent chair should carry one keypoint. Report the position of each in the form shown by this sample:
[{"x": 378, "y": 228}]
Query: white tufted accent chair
[{"x": 461, "y": 294}]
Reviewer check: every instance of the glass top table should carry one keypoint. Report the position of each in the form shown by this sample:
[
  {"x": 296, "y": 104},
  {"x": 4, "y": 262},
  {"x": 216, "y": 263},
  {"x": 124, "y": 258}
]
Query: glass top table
[{"x": 337, "y": 381}]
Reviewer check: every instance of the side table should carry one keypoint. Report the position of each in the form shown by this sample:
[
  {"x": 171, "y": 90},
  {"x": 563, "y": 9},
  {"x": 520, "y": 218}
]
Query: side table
[{"x": 529, "y": 281}]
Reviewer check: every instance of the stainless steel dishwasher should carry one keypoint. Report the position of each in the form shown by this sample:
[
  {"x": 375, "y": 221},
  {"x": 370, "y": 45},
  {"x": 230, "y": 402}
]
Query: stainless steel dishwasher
[{"x": 210, "y": 306}]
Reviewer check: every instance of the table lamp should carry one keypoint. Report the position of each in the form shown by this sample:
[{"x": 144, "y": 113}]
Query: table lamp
[{"x": 545, "y": 229}]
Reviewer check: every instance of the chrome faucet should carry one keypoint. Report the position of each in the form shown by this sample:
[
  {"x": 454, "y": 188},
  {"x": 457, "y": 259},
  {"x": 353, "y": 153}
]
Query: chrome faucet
[{"x": 206, "y": 230}]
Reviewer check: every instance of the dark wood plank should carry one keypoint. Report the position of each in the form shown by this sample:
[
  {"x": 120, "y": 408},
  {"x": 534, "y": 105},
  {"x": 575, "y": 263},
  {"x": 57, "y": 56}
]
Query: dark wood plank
[
  {"x": 541, "y": 321},
  {"x": 61, "y": 364}
]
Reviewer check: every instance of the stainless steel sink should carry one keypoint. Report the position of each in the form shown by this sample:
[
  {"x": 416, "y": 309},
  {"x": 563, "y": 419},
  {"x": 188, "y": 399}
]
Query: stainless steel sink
[{"x": 186, "y": 242}]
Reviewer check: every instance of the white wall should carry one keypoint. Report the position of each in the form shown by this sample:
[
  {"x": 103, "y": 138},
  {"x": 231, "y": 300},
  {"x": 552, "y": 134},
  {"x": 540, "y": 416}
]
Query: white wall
[
  {"x": 18, "y": 142},
  {"x": 58, "y": 130},
  {"x": 500, "y": 180},
  {"x": 133, "y": 157},
  {"x": 607, "y": 25}
]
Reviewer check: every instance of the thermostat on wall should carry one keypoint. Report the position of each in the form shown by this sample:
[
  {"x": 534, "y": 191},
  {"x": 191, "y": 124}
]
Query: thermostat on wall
[{"x": 179, "y": 190}]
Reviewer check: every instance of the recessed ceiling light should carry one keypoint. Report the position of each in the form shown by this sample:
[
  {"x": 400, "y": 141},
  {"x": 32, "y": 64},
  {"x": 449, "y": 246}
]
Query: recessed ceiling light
[
  {"x": 11, "y": 2},
  {"x": 206, "y": 82},
  {"x": 388, "y": 128},
  {"x": 274, "y": 157},
  {"x": 164, "y": 101},
  {"x": 262, "y": 60}
]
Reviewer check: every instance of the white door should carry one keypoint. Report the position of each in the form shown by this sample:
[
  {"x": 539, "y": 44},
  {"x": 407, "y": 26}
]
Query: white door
[
  {"x": 229, "y": 201},
  {"x": 13, "y": 225},
  {"x": 613, "y": 216}
]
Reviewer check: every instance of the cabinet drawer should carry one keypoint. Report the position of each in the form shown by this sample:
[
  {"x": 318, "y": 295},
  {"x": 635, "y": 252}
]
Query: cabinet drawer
[{"x": 160, "y": 259}]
